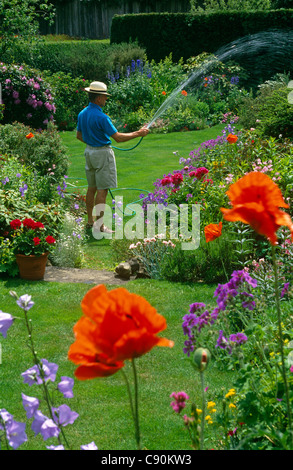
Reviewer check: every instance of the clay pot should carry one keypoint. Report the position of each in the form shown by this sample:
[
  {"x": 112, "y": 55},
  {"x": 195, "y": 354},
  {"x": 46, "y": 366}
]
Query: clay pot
[{"x": 32, "y": 267}]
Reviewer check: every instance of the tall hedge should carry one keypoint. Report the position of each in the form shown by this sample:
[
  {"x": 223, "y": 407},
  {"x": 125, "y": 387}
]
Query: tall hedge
[{"x": 187, "y": 35}]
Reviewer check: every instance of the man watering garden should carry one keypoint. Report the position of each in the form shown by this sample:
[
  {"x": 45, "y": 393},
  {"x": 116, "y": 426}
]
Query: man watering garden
[{"x": 95, "y": 129}]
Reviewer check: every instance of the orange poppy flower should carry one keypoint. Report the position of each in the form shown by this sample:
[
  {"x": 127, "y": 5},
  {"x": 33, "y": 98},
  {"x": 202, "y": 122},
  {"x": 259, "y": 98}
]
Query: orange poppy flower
[
  {"x": 213, "y": 231},
  {"x": 30, "y": 135},
  {"x": 256, "y": 200},
  {"x": 163, "y": 93},
  {"x": 184, "y": 93},
  {"x": 116, "y": 326},
  {"x": 232, "y": 139}
]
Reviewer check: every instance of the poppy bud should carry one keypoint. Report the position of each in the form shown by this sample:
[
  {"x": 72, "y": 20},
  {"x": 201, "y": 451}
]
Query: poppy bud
[{"x": 201, "y": 359}]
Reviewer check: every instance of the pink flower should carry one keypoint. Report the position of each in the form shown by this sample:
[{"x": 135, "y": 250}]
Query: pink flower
[{"x": 180, "y": 399}]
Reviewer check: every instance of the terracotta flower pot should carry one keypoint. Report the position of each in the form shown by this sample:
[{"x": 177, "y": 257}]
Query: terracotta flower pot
[{"x": 32, "y": 267}]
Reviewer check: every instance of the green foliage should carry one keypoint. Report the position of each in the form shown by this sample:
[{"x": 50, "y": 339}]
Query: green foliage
[
  {"x": 19, "y": 22},
  {"x": 87, "y": 59},
  {"x": 70, "y": 98},
  {"x": 222, "y": 5},
  {"x": 187, "y": 35},
  {"x": 44, "y": 152}
]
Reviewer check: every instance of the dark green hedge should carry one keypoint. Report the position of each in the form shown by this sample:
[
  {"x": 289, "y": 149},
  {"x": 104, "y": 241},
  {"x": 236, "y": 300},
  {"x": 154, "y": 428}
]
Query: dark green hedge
[{"x": 187, "y": 35}]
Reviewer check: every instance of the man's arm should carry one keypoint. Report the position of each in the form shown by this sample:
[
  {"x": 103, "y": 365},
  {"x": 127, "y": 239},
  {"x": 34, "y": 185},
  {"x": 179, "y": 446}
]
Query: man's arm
[
  {"x": 79, "y": 136},
  {"x": 121, "y": 137}
]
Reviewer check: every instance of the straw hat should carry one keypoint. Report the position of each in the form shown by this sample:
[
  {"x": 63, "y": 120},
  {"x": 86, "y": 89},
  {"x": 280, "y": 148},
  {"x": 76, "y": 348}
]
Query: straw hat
[{"x": 97, "y": 87}]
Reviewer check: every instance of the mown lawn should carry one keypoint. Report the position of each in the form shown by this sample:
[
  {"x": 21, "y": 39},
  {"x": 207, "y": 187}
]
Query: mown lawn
[
  {"x": 157, "y": 154},
  {"x": 102, "y": 404}
]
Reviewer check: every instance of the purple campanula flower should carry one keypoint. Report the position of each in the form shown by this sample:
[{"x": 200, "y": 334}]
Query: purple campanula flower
[
  {"x": 39, "y": 419},
  {"x": 65, "y": 386},
  {"x": 64, "y": 415},
  {"x": 58, "y": 447},
  {"x": 49, "y": 429},
  {"x": 31, "y": 376},
  {"x": 30, "y": 404},
  {"x": 25, "y": 302},
  {"x": 90, "y": 446},
  {"x": 6, "y": 321},
  {"x": 15, "y": 433},
  {"x": 49, "y": 370},
  {"x": 6, "y": 417}
]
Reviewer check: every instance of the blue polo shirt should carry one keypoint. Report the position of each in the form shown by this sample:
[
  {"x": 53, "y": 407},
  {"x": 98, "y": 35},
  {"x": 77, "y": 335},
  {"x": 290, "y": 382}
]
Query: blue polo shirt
[{"x": 96, "y": 127}]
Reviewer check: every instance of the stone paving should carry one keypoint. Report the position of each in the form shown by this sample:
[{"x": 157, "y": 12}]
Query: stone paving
[{"x": 86, "y": 276}]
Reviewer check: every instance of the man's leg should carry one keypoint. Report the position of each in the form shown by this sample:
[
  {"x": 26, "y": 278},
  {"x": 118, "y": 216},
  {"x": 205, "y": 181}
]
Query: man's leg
[{"x": 90, "y": 203}]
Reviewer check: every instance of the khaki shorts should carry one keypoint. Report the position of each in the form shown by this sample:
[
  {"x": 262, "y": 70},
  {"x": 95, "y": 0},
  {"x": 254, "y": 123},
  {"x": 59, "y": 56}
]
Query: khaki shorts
[{"x": 100, "y": 167}]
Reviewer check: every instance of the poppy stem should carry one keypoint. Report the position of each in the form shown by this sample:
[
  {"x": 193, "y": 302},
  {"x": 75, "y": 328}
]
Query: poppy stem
[
  {"x": 134, "y": 408},
  {"x": 277, "y": 297},
  {"x": 136, "y": 418}
]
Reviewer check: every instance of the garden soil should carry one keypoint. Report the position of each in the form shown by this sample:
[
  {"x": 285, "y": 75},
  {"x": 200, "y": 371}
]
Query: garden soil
[{"x": 85, "y": 276}]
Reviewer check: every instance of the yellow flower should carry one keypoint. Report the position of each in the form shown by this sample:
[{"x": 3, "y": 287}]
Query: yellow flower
[
  {"x": 208, "y": 418},
  {"x": 211, "y": 406},
  {"x": 232, "y": 405},
  {"x": 198, "y": 411},
  {"x": 231, "y": 393}
]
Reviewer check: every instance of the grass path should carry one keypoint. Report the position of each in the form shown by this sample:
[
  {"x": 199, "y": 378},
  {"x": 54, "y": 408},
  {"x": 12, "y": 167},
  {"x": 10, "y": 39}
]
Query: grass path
[{"x": 157, "y": 154}]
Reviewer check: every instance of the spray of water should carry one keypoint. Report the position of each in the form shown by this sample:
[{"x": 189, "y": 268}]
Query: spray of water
[{"x": 274, "y": 47}]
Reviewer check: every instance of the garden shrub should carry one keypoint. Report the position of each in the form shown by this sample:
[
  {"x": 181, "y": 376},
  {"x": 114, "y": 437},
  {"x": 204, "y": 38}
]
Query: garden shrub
[
  {"x": 43, "y": 151},
  {"x": 70, "y": 98},
  {"x": 27, "y": 96},
  {"x": 269, "y": 111},
  {"x": 89, "y": 59}
]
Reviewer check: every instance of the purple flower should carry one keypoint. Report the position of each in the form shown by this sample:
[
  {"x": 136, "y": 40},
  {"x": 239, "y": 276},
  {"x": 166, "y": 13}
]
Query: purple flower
[
  {"x": 58, "y": 447},
  {"x": 25, "y": 302},
  {"x": 49, "y": 429},
  {"x": 46, "y": 371},
  {"x": 65, "y": 386},
  {"x": 239, "y": 338},
  {"x": 90, "y": 446},
  {"x": 6, "y": 321},
  {"x": 30, "y": 404},
  {"x": 39, "y": 419},
  {"x": 223, "y": 343},
  {"x": 64, "y": 415},
  {"x": 15, "y": 433},
  {"x": 196, "y": 306},
  {"x": 285, "y": 289},
  {"x": 31, "y": 376}
]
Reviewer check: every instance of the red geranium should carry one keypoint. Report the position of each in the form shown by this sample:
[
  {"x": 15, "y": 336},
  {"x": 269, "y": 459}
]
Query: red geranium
[
  {"x": 49, "y": 239},
  {"x": 16, "y": 223},
  {"x": 36, "y": 241},
  {"x": 166, "y": 180}
]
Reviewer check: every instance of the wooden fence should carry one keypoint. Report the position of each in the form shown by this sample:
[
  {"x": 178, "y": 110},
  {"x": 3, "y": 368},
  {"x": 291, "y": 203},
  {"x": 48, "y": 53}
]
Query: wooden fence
[{"x": 92, "y": 19}]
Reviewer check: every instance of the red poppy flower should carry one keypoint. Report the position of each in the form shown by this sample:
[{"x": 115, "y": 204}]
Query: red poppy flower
[
  {"x": 256, "y": 200},
  {"x": 213, "y": 231},
  {"x": 116, "y": 326},
  {"x": 30, "y": 135},
  {"x": 232, "y": 139}
]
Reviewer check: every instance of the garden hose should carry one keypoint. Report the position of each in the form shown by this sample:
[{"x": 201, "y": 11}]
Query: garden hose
[
  {"x": 126, "y": 150},
  {"x": 111, "y": 191}
]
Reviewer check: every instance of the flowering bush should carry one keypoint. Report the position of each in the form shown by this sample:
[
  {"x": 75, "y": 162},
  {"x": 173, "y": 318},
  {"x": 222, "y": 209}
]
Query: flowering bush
[
  {"x": 29, "y": 237},
  {"x": 26, "y": 96},
  {"x": 152, "y": 253}
]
